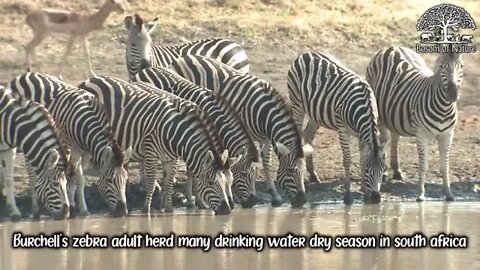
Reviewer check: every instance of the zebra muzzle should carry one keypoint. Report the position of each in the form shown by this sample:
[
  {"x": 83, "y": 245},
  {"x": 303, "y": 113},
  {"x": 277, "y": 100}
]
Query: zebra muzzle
[
  {"x": 62, "y": 213},
  {"x": 120, "y": 210},
  {"x": 299, "y": 200},
  {"x": 223, "y": 209},
  {"x": 250, "y": 202}
]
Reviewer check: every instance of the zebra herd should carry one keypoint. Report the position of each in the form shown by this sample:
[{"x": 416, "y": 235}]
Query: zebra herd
[{"x": 197, "y": 102}]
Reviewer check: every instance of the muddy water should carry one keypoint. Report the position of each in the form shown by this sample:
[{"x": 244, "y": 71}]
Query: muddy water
[{"x": 389, "y": 218}]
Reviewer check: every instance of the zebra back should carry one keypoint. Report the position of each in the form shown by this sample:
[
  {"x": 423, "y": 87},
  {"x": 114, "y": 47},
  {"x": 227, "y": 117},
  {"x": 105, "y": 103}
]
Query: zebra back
[
  {"x": 118, "y": 94},
  {"x": 228, "y": 119},
  {"x": 334, "y": 96},
  {"x": 141, "y": 53},
  {"x": 34, "y": 131},
  {"x": 60, "y": 97}
]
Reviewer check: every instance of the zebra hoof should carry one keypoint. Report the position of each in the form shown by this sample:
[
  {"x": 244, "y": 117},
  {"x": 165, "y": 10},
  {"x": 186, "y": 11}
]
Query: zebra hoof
[
  {"x": 73, "y": 211},
  {"x": 421, "y": 198},
  {"x": 15, "y": 217},
  {"x": 231, "y": 202},
  {"x": 276, "y": 203},
  {"x": 449, "y": 198},
  {"x": 84, "y": 213},
  {"x": 347, "y": 198},
  {"x": 36, "y": 216},
  {"x": 314, "y": 178},
  {"x": 397, "y": 175},
  {"x": 146, "y": 210}
]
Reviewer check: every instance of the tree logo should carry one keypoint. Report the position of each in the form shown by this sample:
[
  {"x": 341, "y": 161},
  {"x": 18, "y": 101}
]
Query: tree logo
[{"x": 440, "y": 25}]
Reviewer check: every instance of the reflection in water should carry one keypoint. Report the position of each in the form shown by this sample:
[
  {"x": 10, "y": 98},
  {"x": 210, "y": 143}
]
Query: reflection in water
[{"x": 388, "y": 218}]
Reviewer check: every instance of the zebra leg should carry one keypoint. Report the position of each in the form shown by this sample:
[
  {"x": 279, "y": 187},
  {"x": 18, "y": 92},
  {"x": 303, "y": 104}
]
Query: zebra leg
[
  {"x": 444, "y": 144},
  {"x": 198, "y": 201},
  {"x": 422, "y": 148},
  {"x": 309, "y": 135},
  {"x": 80, "y": 181},
  {"x": 361, "y": 150},
  {"x": 188, "y": 191},
  {"x": 347, "y": 161},
  {"x": 394, "y": 162},
  {"x": 169, "y": 169},
  {"x": 150, "y": 167},
  {"x": 384, "y": 133},
  {"x": 33, "y": 193},
  {"x": 266, "y": 153},
  {"x": 8, "y": 158}
]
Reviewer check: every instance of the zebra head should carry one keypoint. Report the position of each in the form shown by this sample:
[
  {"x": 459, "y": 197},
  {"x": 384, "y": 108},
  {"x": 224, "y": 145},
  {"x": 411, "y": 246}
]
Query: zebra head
[
  {"x": 450, "y": 66},
  {"x": 51, "y": 185},
  {"x": 373, "y": 169},
  {"x": 212, "y": 184},
  {"x": 138, "y": 47},
  {"x": 244, "y": 173},
  {"x": 291, "y": 171},
  {"x": 113, "y": 178}
]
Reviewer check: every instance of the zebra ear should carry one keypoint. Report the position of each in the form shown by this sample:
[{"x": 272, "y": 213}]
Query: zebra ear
[
  {"x": 282, "y": 149},
  {"x": 151, "y": 25},
  {"x": 128, "y": 155},
  {"x": 127, "y": 22},
  {"x": 241, "y": 154},
  {"x": 208, "y": 159},
  {"x": 224, "y": 156},
  {"x": 307, "y": 150},
  {"x": 52, "y": 159}
]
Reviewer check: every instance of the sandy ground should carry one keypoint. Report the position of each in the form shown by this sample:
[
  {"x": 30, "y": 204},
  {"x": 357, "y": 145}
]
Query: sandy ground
[{"x": 352, "y": 32}]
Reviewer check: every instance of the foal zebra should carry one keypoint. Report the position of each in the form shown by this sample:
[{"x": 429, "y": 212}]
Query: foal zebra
[
  {"x": 165, "y": 129},
  {"x": 28, "y": 126},
  {"x": 415, "y": 101},
  {"x": 141, "y": 53},
  {"x": 265, "y": 115},
  {"x": 85, "y": 125},
  {"x": 335, "y": 97},
  {"x": 230, "y": 126}
]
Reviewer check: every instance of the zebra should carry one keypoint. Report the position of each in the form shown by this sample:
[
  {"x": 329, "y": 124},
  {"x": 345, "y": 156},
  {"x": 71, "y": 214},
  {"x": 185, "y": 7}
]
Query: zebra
[
  {"x": 165, "y": 129},
  {"x": 230, "y": 126},
  {"x": 141, "y": 53},
  {"x": 85, "y": 125},
  {"x": 265, "y": 115},
  {"x": 207, "y": 119},
  {"x": 414, "y": 101},
  {"x": 29, "y": 128},
  {"x": 336, "y": 98}
]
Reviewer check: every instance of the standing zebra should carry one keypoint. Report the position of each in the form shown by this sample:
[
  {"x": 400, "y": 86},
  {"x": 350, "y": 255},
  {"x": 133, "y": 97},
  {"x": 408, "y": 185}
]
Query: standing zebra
[
  {"x": 85, "y": 125},
  {"x": 335, "y": 97},
  {"x": 415, "y": 101},
  {"x": 28, "y": 126},
  {"x": 265, "y": 115},
  {"x": 141, "y": 53},
  {"x": 230, "y": 126},
  {"x": 165, "y": 129}
]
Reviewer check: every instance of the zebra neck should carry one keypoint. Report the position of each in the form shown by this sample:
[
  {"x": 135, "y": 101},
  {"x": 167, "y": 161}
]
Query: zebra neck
[{"x": 438, "y": 93}]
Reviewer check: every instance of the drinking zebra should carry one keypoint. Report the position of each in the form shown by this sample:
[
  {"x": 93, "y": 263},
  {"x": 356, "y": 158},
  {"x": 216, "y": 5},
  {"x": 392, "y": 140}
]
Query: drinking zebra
[
  {"x": 165, "y": 129},
  {"x": 29, "y": 127},
  {"x": 414, "y": 101},
  {"x": 85, "y": 125},
  {"x": 230, "y": 126},
  {"x": 336, "y": 98},
  {"x": 265, "y": 115},
  {"x": 141, "y": 53}
]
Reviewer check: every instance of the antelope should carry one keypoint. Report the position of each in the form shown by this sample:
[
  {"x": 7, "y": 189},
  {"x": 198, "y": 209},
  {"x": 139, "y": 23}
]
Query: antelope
[{"x": 74, "y": 25}]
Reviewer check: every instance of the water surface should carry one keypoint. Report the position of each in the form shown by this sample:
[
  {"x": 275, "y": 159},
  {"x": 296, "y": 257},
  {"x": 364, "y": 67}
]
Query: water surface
[{"x": 392, "y": 219}]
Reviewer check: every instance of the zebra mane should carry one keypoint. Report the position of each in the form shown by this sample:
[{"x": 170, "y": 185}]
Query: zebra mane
[
  {"x": 283, "y": 104},
  {"x": 252, "y": 149},
  {"x": 23, "y": 102},
  {"x": 189, "y": 109},
  {"x": 119, "y": 156}
]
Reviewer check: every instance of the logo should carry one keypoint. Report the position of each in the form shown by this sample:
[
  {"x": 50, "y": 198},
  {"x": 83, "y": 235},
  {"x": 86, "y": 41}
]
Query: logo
[{"x": 441, "y": 25}]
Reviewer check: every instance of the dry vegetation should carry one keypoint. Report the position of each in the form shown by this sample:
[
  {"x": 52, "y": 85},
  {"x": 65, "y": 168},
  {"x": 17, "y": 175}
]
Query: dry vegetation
[{"x": 273, "y": 33}]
